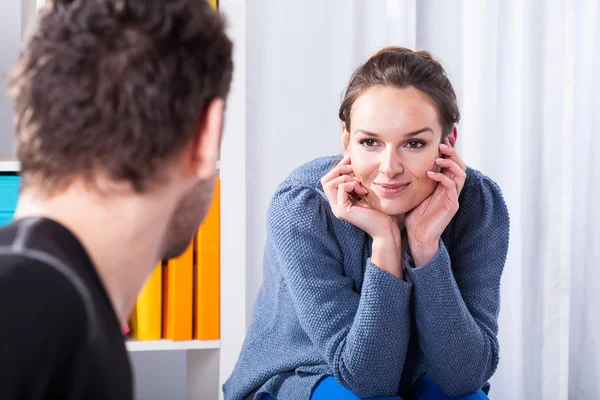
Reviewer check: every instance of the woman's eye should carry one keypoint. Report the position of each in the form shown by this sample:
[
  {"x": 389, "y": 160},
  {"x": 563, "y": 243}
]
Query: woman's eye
[
  {"x": 368, "y": 142},
  {"x": 415, "y": 144}
]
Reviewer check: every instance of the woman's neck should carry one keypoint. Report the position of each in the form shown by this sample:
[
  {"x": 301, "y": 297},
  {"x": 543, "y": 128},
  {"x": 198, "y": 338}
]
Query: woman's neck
[{"x": 400, "y": 220}]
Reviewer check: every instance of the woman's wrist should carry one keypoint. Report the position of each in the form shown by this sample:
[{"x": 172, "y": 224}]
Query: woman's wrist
[
  {"x": 386, "y": 255},
  {"x": 422, "y": 253},
  {"x": 387, "y": 230}
]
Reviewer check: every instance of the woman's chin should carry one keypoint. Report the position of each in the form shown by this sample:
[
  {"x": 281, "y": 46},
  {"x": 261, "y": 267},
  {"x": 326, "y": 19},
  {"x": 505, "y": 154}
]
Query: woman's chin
[{"x": 393, "y": 209}]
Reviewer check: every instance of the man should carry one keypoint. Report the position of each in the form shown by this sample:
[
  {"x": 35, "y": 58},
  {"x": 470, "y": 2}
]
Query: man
[{"x": 119, "y": 107}]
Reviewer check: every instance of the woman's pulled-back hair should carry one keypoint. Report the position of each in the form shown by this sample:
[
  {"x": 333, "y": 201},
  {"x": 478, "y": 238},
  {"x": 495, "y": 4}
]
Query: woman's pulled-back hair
[{"x": 400, "y": 67}]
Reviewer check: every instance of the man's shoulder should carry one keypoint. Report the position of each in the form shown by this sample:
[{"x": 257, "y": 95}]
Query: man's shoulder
[
  {"x": 36, "y": 297},
  {"x": 44, "y": 324}
]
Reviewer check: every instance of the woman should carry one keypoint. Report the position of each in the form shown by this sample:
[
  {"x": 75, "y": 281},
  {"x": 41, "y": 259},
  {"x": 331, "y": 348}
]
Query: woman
[{"x": 376, "y": 283}]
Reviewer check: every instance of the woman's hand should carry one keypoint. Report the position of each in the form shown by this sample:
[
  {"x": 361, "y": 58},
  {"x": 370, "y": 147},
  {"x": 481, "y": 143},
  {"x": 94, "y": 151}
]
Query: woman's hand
[
  {"x": 346, "y": 197},
  {"x": 426, "y": 222}
]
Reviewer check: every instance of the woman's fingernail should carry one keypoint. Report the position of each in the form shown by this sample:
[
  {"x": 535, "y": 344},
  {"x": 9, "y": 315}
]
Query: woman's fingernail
[
  {"x": 443, "y": 146},
  {"x": 439, "y": 160},
  {"x": 430, "y": 173}
]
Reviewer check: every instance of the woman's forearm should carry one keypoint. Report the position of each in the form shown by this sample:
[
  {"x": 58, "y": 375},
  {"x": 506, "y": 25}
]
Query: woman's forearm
[
  {"x": 458, "y": 342},
  {"x": 386, "y": 255}
]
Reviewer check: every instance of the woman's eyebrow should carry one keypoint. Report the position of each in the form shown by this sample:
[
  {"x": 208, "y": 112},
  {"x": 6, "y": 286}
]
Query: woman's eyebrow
[
  {"x": 408, "y": 134},
  {"x": 365, "y": 132}
]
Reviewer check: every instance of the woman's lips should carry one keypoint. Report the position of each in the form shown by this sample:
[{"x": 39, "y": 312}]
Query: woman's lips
[{"x": 386, "y": 189}]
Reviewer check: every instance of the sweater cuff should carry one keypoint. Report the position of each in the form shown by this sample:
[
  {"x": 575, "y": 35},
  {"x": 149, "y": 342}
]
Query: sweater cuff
[
  {"x": 383, "y": 282},
  {"x": 439, "y": 267}
]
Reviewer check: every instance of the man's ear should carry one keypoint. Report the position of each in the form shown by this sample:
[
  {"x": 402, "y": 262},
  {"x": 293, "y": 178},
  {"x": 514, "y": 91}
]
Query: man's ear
[
  {"x": 206, "y": 144},
  {"x": 345, "y": 139}
]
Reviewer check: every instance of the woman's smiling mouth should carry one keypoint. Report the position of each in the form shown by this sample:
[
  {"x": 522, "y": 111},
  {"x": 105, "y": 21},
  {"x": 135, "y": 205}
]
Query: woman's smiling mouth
[{"x": 386, "y": 189}]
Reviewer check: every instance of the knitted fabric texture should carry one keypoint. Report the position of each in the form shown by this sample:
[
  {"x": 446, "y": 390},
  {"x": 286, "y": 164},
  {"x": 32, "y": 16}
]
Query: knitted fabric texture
[{"x": 325, "y": 309}]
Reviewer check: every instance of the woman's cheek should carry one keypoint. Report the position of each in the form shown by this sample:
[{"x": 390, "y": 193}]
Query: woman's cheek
[
  {"x": 419, "y": 164},
  {"x": 362, "y": 175},
  {"x": 428, "y": 163},
  {"x": 361, "y": 166}
]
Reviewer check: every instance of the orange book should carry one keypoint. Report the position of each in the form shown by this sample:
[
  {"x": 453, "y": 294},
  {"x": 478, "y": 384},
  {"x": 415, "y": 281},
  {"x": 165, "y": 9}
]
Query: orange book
[
  {"x": 207, "y": 273},
  {"x": 177, "y": 296},
  {"x": 146, "y": 317}
]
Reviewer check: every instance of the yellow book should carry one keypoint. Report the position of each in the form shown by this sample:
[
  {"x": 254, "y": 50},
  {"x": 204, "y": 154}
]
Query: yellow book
[
  {"x": 213, "y": 3},
  {"x": 177, "y": 296},
  {"x": 146, "y": 321},
  {"x": 207, "y": 273}
]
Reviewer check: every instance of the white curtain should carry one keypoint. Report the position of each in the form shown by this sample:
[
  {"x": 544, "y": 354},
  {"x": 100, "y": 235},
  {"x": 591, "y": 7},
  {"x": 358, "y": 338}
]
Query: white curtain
[{"x": 527, "y": 77}]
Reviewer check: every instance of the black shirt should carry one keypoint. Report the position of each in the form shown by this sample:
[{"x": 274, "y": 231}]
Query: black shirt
[{"x": 59, "y": 335}]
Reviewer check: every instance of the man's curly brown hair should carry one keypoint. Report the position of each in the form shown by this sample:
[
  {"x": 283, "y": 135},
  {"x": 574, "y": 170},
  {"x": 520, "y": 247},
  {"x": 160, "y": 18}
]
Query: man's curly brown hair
[{"x": 115, "y": 85}]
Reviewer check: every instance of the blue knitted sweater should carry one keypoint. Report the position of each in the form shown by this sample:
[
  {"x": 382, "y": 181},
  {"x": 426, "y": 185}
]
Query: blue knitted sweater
[{"x": 325, "y": 309}]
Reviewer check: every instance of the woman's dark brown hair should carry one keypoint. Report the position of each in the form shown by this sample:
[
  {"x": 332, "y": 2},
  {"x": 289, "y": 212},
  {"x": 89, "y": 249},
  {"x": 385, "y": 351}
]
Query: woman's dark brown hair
[{"x": 402, "y": 68}]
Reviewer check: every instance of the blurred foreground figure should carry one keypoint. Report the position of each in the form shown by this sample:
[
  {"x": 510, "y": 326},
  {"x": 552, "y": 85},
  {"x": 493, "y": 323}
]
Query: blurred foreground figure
[{"x": 119, "y": 108}]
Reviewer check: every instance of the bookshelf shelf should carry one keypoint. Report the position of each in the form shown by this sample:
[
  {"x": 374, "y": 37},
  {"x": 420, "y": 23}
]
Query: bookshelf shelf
[
  {"x": 168, "y": 345},
  {"x": 9, "y": 165}
]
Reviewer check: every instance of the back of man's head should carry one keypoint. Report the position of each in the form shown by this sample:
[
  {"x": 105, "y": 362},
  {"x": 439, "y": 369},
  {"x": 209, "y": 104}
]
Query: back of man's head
[{"x": 118, "y": 86}]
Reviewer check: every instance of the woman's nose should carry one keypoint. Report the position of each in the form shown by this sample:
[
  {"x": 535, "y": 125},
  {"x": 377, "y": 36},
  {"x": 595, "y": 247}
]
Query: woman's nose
[{"x": 390, "y": 165}]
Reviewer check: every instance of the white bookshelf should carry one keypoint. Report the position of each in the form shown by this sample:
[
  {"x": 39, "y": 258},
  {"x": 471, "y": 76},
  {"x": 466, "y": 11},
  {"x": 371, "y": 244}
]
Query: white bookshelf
[
  {"x": 9, "y": 165},
  {"x": 171, "y": 345},
  {"x": 234, "y": 190}
]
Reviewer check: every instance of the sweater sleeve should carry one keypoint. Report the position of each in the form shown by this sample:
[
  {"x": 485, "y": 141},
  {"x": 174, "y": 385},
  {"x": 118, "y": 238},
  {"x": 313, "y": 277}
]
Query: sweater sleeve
[
  {"x": 363, "y": 337},
  {"x": 457, "y": 295}
]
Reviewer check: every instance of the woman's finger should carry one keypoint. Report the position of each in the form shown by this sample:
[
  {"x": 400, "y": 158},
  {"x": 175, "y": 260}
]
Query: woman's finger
[
  {"x": 343, "y": 195},
  {"x": 442, "y": 179},
  {"x": 342, "y": 168},
  {"x": 344, "y": 191},
  {"x": 451, "y": 153},
  {"x": 457, "y": 174},
  {"x": 331, "y": 188},
  {"x": 335, "y": 183}
]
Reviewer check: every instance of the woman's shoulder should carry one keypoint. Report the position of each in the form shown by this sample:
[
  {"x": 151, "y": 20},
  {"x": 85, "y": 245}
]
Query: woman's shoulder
[
  {"x": 300, "y": 193},
  {"x": 481, "y": 203},
  {"x": 309, "y": 174},
  {"x": 480, "y": 187},
  {"x": 300, "y": 211},
  {"x": 305, "y": 180},
  {"x": 477, "y": 179}
]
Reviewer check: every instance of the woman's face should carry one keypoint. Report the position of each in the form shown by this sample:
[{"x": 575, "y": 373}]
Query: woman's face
[{"x": 394, "y": 142}]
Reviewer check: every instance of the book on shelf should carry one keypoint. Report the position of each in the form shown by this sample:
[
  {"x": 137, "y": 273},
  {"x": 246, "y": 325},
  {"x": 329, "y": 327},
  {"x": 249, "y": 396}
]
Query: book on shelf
[
  {"x": 178, "y": 274},
  {"x": 9, "y": 194},
  {"x": 207, "y": 272},
  {"x": 146, "y": 319}
]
